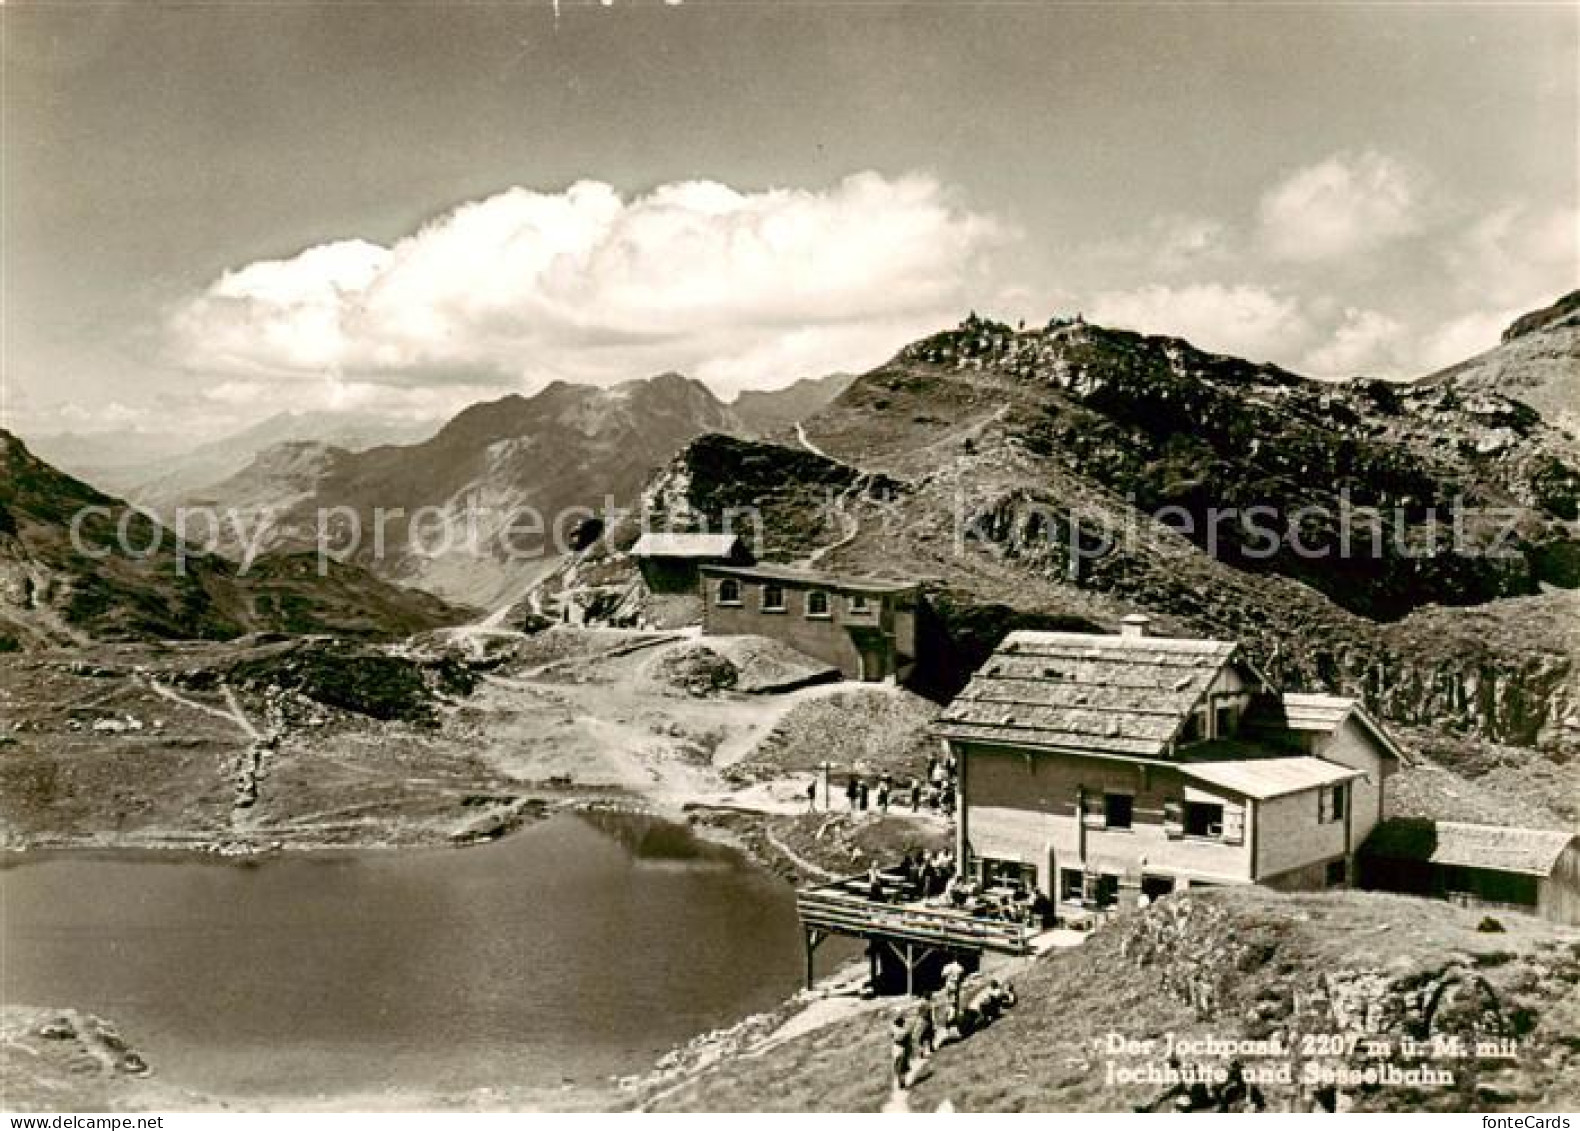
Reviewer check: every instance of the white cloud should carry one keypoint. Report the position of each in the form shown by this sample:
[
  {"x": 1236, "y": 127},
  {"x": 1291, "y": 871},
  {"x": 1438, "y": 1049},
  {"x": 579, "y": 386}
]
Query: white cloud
[
  {"x": 587, "y": 285},
  {"x": 1365, "y": 342},
  {"x": 1511, "y": 261},
  {"x": 1462, "y": 338},
  {"x": 1517, "y": 256},
  {"x": 1249, "y": 321},
  {"x": 1165, "y": 245},
  {"x": 1346, "y": 205}
]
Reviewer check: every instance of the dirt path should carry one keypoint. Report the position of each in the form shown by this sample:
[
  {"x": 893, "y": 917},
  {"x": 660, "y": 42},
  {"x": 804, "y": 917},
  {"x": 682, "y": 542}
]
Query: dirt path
[
  {"x": 796, "y": 858},
  {"x": 848, "y": 520},
  {"x": 806, "y": 442},
  {"x": 233, "y": 713},
  {"x": 250, "y": 766},
  {"x": 772, "y": 711}
]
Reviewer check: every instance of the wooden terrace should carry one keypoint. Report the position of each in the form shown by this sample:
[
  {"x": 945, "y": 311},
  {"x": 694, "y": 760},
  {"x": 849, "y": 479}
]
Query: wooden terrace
[{"x": 910, "y": 929}]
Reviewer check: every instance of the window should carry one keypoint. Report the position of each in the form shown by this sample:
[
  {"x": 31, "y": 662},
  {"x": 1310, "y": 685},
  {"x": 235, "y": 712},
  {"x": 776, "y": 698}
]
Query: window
[
  {"x": 1101, "y": 889},
  {"x": 1203, "y": 819},
  {"x": 1093, "y": 812},
  {"x": 1173, "y": 818},
  {"x": 1223, "y": 722},
  {"x": 1118, "y": 809},
  {"x": 729, "y": 592},
  {"x": 1072, "y": 885},
  {"x": 773, "y": 599},
  {"x": 1008, "y": 873},
  {"x": 1156, "y": 887},
  {"x": 1234, "y": 824},
  {"x": 1331, "y": 803},
  {"x": 858, "y": 603},
  {"x": 817, "y": 603}
]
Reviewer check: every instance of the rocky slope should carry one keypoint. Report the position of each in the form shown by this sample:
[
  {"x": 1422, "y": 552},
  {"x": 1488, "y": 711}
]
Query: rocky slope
[
  {"x": 1068, "y": 475},
  {"x": 764, "y": 413},
  {"x": 1537, "y": 364},
  {"x": 1326, "y": 987},
  {"x": 146, "y": 584}
]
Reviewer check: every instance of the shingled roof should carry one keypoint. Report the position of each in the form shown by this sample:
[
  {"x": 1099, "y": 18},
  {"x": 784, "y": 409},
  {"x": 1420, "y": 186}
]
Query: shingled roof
[
  {"x": 1492, "y": 848},
  {"x": 1122, "y": 695},
  {"x": 1315, "y": 714}
]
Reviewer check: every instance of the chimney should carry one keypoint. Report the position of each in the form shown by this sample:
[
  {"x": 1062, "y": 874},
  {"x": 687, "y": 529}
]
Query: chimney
[{"x": 1134, "y": 625}]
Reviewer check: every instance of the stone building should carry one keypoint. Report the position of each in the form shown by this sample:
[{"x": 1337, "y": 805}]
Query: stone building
[{"x": 866, "y": 627}]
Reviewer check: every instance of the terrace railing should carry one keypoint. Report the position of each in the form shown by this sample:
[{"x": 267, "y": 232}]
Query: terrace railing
[{"x": 843, "y": 907}]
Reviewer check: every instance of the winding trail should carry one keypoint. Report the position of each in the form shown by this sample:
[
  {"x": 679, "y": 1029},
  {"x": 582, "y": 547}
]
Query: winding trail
[
  {"x": 848, "y": 520},
  {"x": 795, "y": 858},
  {"x": 234, "y": 714},
  {"x": 806, "y": 442}
]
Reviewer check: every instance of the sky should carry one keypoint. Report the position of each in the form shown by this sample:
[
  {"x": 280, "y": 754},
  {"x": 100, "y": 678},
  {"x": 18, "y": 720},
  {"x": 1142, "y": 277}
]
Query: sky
[{"x": 213, "y": 211}]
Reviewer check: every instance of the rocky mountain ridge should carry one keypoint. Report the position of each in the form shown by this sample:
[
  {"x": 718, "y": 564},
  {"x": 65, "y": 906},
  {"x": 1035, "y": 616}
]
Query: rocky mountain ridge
[
  {"x": 123, "y": 576},
  {"x": 1052, "y": 475}
]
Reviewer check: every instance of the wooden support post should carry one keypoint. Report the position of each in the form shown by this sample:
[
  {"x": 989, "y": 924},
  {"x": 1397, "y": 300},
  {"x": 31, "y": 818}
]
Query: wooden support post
[{"x": 811, "y": 938}]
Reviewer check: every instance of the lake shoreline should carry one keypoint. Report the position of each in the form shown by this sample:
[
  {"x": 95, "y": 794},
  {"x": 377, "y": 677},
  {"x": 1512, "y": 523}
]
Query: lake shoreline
[
  {"x": 730, "y": 831},
  {"x": 54, "y": 1066}
]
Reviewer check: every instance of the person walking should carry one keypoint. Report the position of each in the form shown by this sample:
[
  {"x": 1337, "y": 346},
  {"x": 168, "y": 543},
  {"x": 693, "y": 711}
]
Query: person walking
[
  {"x": 925, "y": 1031},
  {"x": 900, "y": 1049}
]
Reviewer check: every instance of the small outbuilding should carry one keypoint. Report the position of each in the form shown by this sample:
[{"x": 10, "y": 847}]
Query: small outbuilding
[
  {"x": 670, "y": 562},
  {"x": 1531, "y": 870}
]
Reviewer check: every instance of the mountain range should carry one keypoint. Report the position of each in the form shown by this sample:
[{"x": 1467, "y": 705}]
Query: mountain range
[
  {"x": 461, "y": 508},
  {"x": 162, "y": 469},
  {"x": 1415, "y": 543}
]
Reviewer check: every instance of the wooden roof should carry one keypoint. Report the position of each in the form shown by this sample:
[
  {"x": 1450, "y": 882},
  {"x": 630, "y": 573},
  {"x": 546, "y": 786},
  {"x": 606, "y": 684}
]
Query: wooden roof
[
  {"x": 1123, "y": 695},
  {"x": 1318, "y": 714},
  {"x": 1261, "y": 778},
  {"x": 1493, "y": 848},
  {"x": 668, "y": 545}
]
